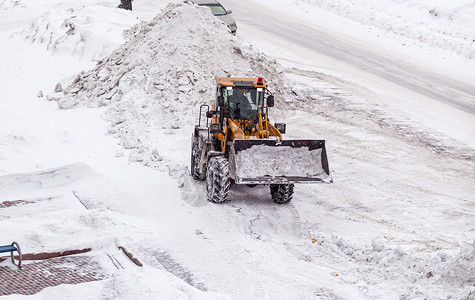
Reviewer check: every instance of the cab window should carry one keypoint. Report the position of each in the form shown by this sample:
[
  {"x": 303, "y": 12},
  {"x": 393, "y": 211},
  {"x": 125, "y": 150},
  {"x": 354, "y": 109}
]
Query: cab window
[{"x": 243, "y": 102}]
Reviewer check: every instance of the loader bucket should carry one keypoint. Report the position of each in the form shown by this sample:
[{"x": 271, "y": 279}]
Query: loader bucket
[{"x": 263, "y": 161}]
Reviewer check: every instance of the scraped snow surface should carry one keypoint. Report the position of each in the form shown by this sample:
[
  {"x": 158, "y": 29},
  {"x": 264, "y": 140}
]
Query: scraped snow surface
[
  {"x": 443, "y": 25},
  {"x": 95, "y": 127}
]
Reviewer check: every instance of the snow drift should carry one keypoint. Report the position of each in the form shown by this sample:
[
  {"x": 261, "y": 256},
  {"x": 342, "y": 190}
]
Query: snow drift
[
  {"x": 416, "y": 273},
  {"x": 87, "y": 32}
]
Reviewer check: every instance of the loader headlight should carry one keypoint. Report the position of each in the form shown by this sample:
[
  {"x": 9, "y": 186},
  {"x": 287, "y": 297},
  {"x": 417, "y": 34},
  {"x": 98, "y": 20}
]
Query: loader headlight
[
  {"x": 215, "y": 128},
  {"x": 281, "y": 127}
]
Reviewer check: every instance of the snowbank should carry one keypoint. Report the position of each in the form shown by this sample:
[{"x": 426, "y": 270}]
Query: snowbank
[
  {"x": 416, "y": 273},
  {"x": 10, "y": 4},
  {"x": 47, "y": 179},
  {"x": 460, "y": 271},
  {"x": 447, "y": 25},
  {"x": 90, "y": 32},
  {"x": 158, "y": 79}
]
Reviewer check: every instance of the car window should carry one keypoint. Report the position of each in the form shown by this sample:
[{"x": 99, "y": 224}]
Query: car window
[{"x": 216, "y": 9}]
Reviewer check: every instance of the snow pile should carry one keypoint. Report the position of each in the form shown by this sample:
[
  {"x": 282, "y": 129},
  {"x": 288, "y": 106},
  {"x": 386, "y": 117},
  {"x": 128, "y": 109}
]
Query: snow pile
[
  {"x": 434, "y": 23},
  {"x": 158, "y": 79},
  {"x": 88, "y": 32},
  {"x": 460, "y": 271},
  {"x": 415, "y": 272},
  {"x": 9, "y": 4}
]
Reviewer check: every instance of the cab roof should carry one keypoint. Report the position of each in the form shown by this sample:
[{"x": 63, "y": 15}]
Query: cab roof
[{"x": 238, "y": 81}]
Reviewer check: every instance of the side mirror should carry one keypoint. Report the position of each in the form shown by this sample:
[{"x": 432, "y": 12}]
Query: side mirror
[
  {"x": 215, "y": 128},
  {"x": 229, "y": 11},
  {"x": 270, "y": 101},
  {"x": 280, "y": 127},
  {"x": 210, "y": 113}
]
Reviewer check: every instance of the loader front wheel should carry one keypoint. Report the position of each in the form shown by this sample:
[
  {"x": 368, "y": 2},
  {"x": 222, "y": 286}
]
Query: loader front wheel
[
  {"x": 195, "y": 160},
  {"x": 281, "y": 193},
  {"x": 217, "y": 180}
]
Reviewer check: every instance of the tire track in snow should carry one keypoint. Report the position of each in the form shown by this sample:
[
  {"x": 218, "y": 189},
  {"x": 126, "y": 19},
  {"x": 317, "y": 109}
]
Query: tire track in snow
[
  {"x": 163, "y": 260},
  {"x": 338, "y": 105},
  {"x": 276, "y": 228}
]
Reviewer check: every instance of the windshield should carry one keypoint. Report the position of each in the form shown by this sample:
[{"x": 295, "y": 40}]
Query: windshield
[
  {"x": 216, "y": 9},
  {"x": 243, "y": 102}
]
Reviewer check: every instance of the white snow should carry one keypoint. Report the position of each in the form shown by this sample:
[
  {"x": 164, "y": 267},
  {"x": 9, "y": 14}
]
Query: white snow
[
  {"x": 89, "y": 31},
  {"x": 262, "y": 160},
  {"x": 439, "y": 24},
  {"x": 100, "y": 161},
  {"x": 155, "y": 82},
  {"x": 361, "y": 30}
]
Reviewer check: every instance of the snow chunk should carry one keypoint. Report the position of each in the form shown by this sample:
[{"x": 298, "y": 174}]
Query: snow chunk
[
  {"x": 262, "y": 160},
  {"x": 461, "y": 270}
]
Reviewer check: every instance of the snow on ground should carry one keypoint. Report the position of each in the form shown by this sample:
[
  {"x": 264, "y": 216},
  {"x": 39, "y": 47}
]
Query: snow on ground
[
  {"x": 407, "y": 107},
  {"x": 396, "y": 223},
  {"x": 439, "y": 24}
]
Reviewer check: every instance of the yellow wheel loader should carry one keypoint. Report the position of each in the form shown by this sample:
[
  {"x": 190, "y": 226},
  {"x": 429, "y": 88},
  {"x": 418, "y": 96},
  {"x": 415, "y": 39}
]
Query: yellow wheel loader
[{"x": 237, "y": 144}]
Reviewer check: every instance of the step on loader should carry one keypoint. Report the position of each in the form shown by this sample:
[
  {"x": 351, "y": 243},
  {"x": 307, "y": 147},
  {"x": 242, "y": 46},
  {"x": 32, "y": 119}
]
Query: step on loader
[{"x": 237, "y": 144}]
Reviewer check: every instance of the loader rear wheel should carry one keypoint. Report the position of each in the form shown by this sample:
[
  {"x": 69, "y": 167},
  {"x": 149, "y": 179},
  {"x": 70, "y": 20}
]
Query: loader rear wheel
[
  {"x": 195, "y": 160},
  {"x": 281, "y": 193},
  {"x": 217, "y": 180}
]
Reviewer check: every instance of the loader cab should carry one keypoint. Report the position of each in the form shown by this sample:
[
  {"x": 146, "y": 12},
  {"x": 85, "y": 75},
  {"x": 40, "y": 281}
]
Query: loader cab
[
  {"x": 243, "y": 102},
  {"x": 240, "y": 98}
]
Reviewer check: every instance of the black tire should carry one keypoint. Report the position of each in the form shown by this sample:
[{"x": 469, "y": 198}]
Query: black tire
[
  {"x": 217, "y": 180},
  {"x": 195, "y": 160},
  {"x": 281, "y": 193}
]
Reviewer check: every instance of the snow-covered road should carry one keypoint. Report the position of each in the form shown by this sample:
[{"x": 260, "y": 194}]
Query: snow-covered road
[
  {"x": 438, "y": 87},
  {"x": 404, "y": 81}
]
